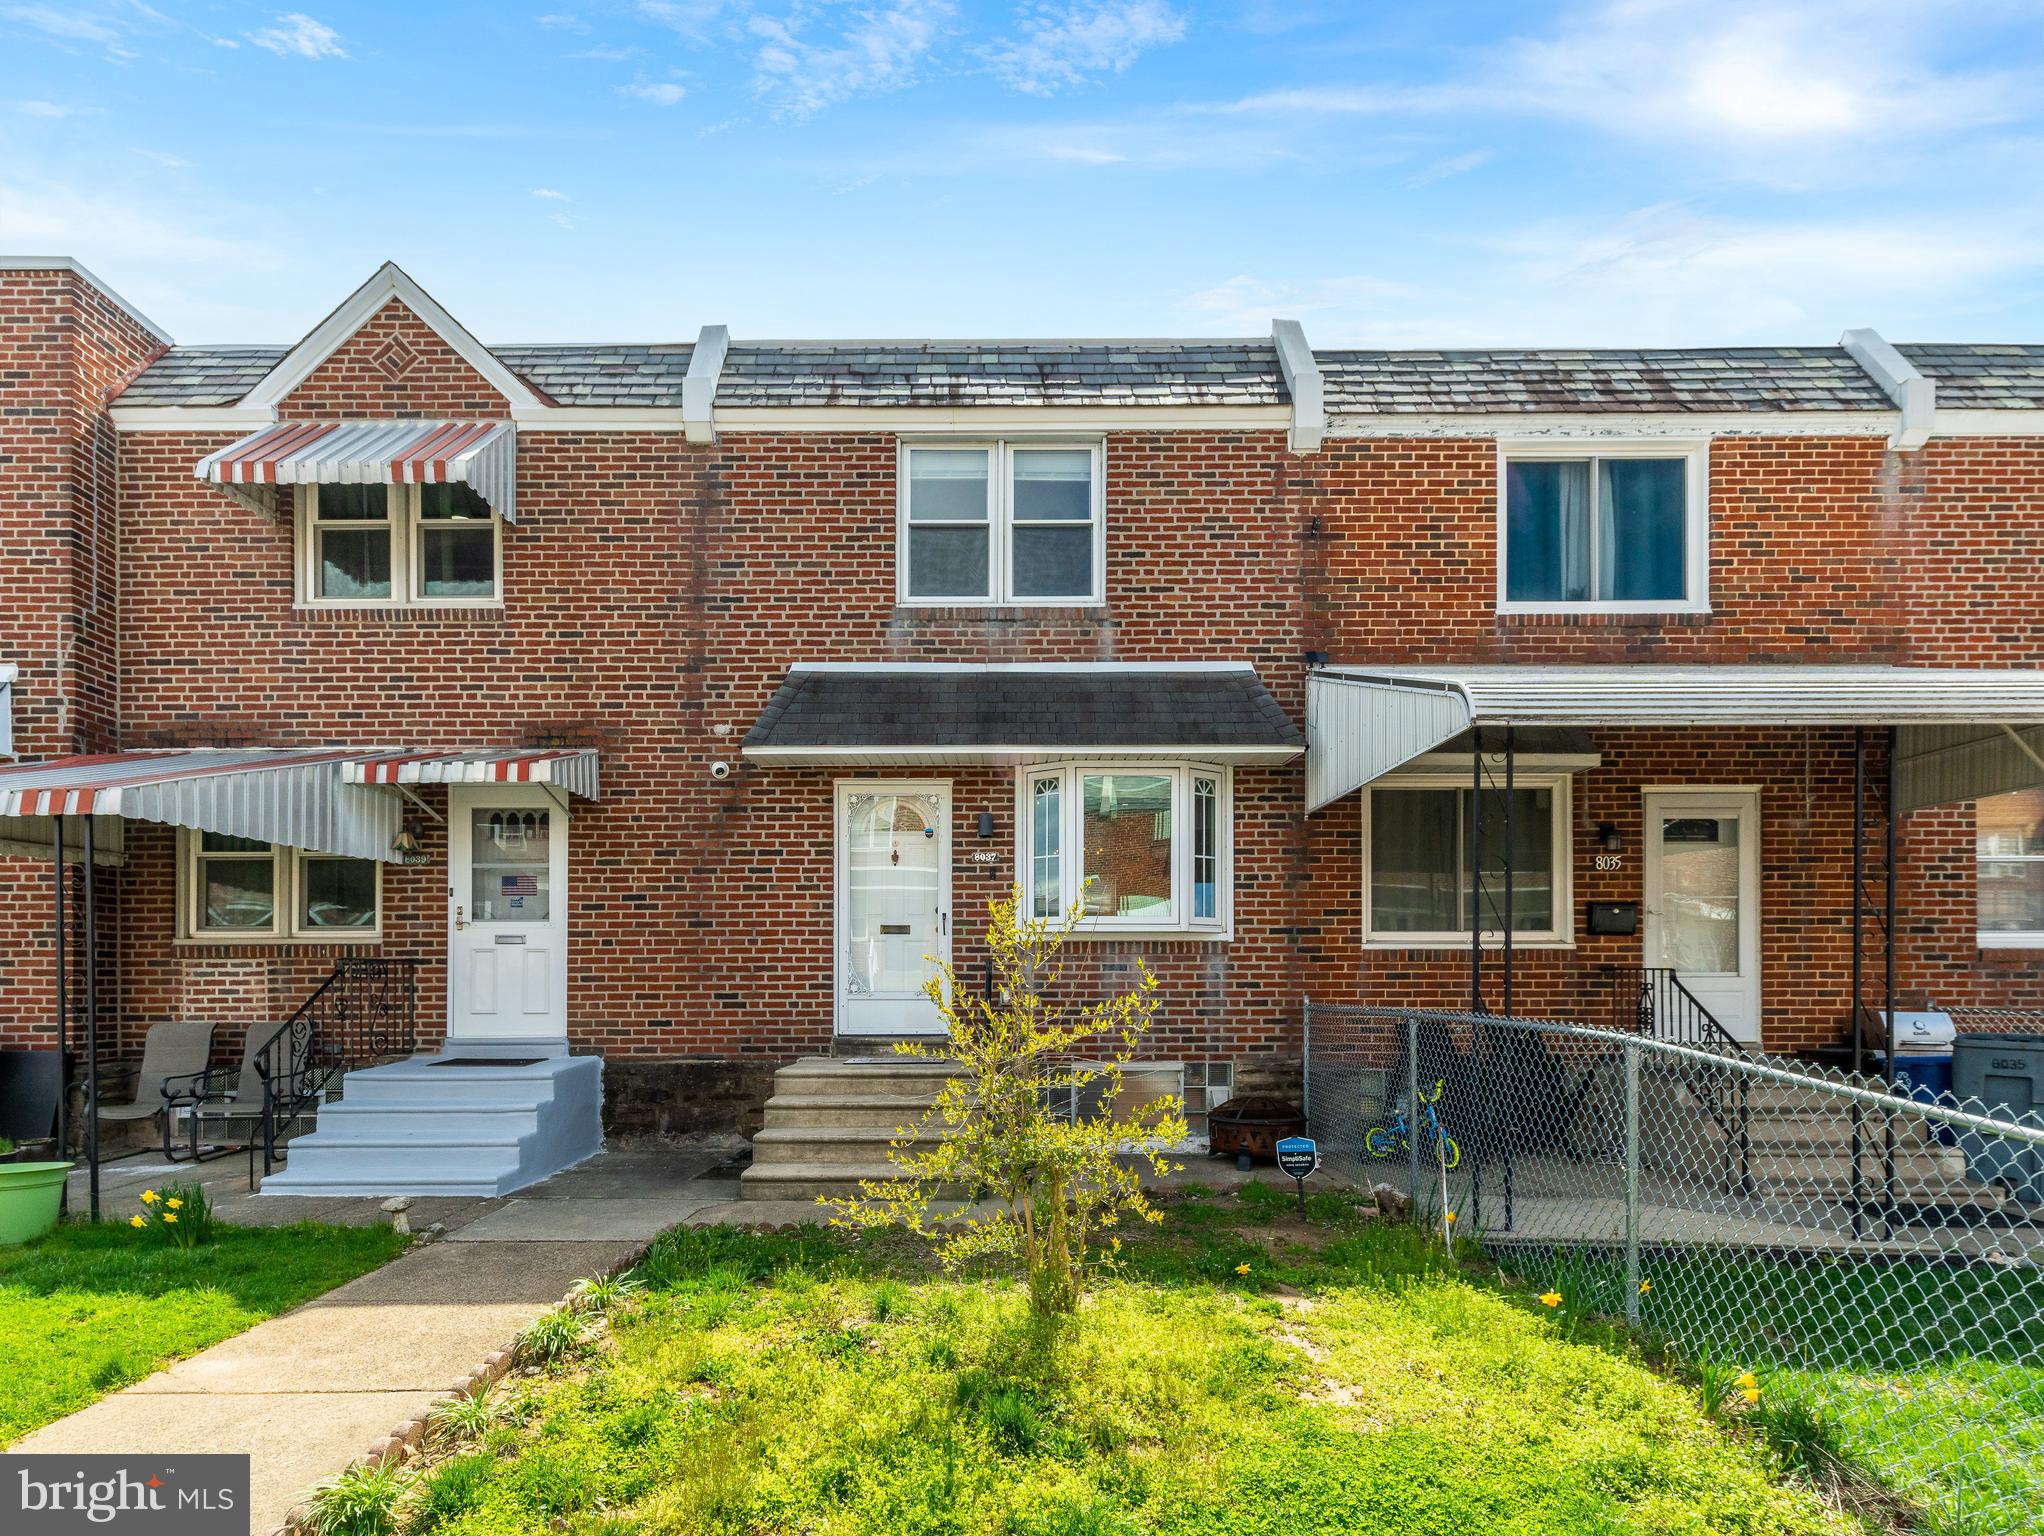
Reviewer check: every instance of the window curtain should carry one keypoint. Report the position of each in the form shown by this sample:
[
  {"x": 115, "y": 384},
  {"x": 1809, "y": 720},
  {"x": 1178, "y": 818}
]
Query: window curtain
[
  {"x": 1642, "y": 539},
  {"x": 1572, "y": 519}
]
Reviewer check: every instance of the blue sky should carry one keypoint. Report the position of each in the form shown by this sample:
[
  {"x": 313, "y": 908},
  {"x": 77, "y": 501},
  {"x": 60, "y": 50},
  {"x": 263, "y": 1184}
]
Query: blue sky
[{"x": 1622, "y": 172}]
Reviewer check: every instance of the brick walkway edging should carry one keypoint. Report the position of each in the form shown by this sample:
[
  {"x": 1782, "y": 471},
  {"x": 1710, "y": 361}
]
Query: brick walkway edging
[{"x": 407, "y": 1438}]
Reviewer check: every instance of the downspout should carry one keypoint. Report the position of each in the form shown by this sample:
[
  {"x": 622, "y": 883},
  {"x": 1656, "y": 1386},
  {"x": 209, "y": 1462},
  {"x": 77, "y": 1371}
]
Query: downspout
[
  {"x": 1914, "y": 395},
  {"x": 1308, "y": 389},
  {"x": 699, "y": 388}
]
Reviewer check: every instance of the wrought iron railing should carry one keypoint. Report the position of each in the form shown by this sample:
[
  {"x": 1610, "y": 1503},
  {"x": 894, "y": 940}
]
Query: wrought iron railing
[
  {"x": 1653, "y": 1000},
  {"x": 365, "y": 1011}
]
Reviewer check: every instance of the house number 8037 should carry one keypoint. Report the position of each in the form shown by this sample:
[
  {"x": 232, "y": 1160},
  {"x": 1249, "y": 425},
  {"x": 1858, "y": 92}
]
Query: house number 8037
[{"x": 985, "y": 856}]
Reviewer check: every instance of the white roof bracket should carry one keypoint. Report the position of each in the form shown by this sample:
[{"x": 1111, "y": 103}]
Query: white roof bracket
[
  {"x": 1914, "y": 395},
  {"x": 1302, "y": 378},
  {"x": 699, "y": 388}
]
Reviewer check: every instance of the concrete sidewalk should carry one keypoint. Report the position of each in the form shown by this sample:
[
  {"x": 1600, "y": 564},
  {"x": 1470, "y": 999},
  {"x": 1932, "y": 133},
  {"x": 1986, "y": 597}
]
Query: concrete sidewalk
[{"x": 306, "y": 1393}]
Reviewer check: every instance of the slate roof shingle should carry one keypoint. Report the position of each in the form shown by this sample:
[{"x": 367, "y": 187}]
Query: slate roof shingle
[
  {"x": 1159, "y": 373},
  {"x": 1982, "y": 378},
  {"x": 929, "y": 707},
  {"x": 1698, "y": 379},
  {"x": 964, "y": 373}
]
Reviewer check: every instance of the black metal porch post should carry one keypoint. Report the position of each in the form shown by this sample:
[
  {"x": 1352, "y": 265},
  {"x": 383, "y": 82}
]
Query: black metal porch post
[
  {"x": 1859, "y": 869},
  {"x": 1475, "y": 869},
  {"x": 1888, "y": 975},
  {"x": 91, "y": 1023},
  {"x": 1510, "y": 755},
  {"x": 63, "y": 1038}
]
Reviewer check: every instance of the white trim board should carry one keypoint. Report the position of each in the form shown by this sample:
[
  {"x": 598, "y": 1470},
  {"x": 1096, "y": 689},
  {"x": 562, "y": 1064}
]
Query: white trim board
[
  {"x": 387, "y": 283},
  {"x": 1590, "y": 425}
]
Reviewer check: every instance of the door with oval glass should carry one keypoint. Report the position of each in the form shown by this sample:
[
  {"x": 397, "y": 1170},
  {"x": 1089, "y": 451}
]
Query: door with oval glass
[
  {"x": 1702, "y": 878},
  {"x": 507, "y": 910},
  {"x": 893, "y": 904}
]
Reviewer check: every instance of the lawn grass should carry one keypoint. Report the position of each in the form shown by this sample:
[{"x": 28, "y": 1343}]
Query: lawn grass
[
  {"x": 1352, "y": 1380},
  {"x": 89, "y": 1309},
  {"x": 1928, "y": 1376}
]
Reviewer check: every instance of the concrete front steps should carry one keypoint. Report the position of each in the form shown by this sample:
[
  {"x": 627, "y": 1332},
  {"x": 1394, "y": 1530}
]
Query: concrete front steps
[
  {"x": 416, "y": 1127},
  {"x": 831, "y": 1121}
]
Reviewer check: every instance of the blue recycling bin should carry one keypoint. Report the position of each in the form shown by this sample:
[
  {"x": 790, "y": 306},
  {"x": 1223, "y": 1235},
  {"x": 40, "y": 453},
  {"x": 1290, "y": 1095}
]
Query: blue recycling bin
[{"x": 1923, "y": 1064}]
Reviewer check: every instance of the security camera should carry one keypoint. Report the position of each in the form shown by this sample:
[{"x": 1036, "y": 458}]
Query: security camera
[{"x": 720, "y": 770}]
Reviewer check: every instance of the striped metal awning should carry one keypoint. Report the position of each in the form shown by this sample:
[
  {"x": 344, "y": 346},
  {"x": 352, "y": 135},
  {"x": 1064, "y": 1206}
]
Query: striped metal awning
[
  {"x": 571, "y": 768},
  {"x": 299, "y": 798},
  {"x": 1961, "y": 733},
  {"x": 482, "y": 455}
]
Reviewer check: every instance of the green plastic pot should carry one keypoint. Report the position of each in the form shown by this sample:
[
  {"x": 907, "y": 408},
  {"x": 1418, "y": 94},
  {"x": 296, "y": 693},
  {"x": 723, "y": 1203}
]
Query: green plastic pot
[{"x": 30, "y": 1196}]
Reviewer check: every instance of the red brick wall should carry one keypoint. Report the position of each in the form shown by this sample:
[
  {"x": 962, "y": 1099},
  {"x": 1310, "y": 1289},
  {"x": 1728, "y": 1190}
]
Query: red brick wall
[
  {"x": 65, "y": 348},
  {"x": 395, "y": 365}
]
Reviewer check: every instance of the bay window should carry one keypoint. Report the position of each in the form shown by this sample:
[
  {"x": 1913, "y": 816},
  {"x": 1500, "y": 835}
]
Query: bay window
[
  {"x": 397, "y": 546},
  {"x": 240, "y": 889},
  {"x": 1620, "y": 530},
  {"x": 1142, "y": 846},
  {"x": 1001, "y": 523},
  {"x": 2008, "y": 844},
  {"x": 1428, "y": 864}
]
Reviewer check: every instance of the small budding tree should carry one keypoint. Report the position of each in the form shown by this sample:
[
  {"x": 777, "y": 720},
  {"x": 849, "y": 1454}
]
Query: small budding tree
[{"x": 1060, "y": 1180}]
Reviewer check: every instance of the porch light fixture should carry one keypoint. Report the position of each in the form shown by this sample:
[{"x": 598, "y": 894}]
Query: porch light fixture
[
  {"x": 405, "y": 847},
  {"x": 986, "y": 823},
  {"x": 1608, "y": 837}
]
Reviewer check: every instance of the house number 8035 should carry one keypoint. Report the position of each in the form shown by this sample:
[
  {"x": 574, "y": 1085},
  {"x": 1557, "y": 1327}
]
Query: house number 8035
[{"x": 1610, "y": 861}]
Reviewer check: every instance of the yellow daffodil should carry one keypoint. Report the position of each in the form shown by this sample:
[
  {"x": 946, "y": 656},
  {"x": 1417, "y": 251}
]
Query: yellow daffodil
[
  {"x": 175, "y": 1205},
  {"x": 149, "y": 1197},
  {"x": 1449, "y": 1217},
  {"x": 1241, "y": 1269},
  {"x": 1550, "y": 1298},
  {"x": 1645, "y": 1287},
  {"x": 170, "y": 1218},
  {"x": 1751, "y": 1394},
  {"x": 1747, "y": 1381},
  {"x": 138, "y": 1221}
]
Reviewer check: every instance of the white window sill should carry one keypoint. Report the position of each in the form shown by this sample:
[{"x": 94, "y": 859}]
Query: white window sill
[
  {"x": 1001, "y": 604},
  {"x": 2010, "y": 941},
  {"x": 277, "y": 940},
  {"x": 1618, "y": 610},
  {"x": 1205, "y": 935},
  {"x": 466, "y": 604},
  {"x": 1461, "y": 945}
]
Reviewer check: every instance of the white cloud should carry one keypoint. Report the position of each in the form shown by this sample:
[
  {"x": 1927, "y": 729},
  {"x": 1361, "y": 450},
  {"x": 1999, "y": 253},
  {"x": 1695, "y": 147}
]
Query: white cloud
[
  {"x": 1760, "y": 80},
  {"x": 565, "y": 21},
  {"x": 107, "y": 227},
  {"x": 1059, "y": 46},
  {"x": 43, "y": 109},
  {"x": 67, "y": 23},
  {"x": 1661, "y": 276},
  {"x": 606, "y": 53},
  {"x": 550, "y": 194},
  {"x": 662, "y": 93},
  {"x": 1453, "y": 165},
  {"x": 800, "y": 69},
  {"x": 165, "y": 159},
  {"x": 296, "y": 35}
]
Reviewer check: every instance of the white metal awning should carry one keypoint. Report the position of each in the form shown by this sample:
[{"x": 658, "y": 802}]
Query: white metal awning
[
  {"x": 298, "y": 798},
  {"x": 482, "y": 455},
  {"x": 1961, "y": 733},
  {"x": 572, "y": 768}
]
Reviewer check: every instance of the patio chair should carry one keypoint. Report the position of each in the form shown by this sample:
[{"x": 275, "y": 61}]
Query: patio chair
[
  {"x": 174, "y": 1049},
  {"x": 221, "y": 1107}
]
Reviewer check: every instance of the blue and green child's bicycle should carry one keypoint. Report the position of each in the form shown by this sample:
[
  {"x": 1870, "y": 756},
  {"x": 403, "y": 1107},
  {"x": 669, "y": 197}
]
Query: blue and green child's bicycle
[{"x": 1383, "y": 1140}]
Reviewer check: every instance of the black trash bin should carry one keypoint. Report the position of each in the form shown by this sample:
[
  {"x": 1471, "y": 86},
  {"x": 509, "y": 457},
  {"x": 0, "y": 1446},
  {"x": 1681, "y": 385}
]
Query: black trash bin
[{"x": 2006, "y": 1074}]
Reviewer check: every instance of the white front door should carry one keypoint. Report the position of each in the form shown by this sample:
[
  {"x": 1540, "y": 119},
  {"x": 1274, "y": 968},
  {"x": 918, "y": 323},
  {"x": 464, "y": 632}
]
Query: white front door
[
  {"x": 1702, "y": 869},
  {"x": 893, "y": 904},
  {"x": 507, "y": 912}
]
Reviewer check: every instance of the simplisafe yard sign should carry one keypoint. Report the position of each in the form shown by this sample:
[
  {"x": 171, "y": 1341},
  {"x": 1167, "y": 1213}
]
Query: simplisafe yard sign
[
  {"x": 45, "y": 1495},
  {"x": 1298, "y": 1156}
]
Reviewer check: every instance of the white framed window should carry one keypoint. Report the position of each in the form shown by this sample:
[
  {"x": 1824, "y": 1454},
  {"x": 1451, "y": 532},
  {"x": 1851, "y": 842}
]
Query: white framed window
[
  {"x": 1608, "y": 527},
  {"x": 1419, "y": 832},
  {"x": 238, "y": 890},
  {"x": 2008, "y": 848},
  {"x": 1147, "y": 847},
  {"x": 396, "y": 546},
  {"x": 1007, "y": 523}
]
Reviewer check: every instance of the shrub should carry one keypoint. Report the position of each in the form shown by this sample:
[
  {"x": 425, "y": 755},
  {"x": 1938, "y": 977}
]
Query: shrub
[
  {"x": 359, "y": 1501},
  {"x": 1059, "y": 1181}
]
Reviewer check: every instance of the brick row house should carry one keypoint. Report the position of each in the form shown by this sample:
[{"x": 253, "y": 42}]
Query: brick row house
[{"x": 647, "y": 714}]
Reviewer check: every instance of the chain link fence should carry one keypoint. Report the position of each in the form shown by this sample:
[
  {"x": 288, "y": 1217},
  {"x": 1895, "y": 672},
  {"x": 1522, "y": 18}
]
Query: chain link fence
[{"x": 1871, "y": 1260}]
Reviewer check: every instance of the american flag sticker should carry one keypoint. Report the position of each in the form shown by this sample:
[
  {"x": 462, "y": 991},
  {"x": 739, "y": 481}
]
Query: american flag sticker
[{"x": 520, "y": 885}]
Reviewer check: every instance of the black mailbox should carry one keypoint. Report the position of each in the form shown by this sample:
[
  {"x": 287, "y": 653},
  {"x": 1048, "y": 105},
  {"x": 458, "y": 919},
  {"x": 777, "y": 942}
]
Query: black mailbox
[{"x": 1614, "y": 917}]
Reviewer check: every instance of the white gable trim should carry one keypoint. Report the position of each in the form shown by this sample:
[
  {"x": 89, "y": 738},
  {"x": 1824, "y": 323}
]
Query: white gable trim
[{"x": 387, "y": 283}]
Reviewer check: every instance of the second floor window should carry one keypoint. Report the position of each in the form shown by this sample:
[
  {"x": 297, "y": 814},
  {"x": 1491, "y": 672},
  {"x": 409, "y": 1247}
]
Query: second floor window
[
  {"x": 1001, "y": 522},
  {"x": 1613, "y": 531},
  {"x": 397, "y": 545},
  {"x": 2008, "y": 835}
]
